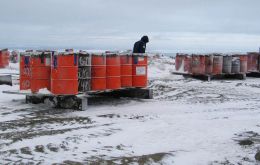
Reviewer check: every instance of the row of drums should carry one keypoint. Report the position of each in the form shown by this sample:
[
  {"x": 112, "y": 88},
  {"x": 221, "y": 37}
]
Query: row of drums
[
  {"x": 111, "y": 71},
  {"x": 211, "y": 64},
  {"x": 70, "y": 73}
]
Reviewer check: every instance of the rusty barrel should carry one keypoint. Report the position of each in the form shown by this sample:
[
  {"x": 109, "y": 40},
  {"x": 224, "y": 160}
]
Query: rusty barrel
[
  {"x": 41, "y": 71},
  {"x": 4, "y": 58},
  {"x": 140, "y": 62},
  {"x": 252, "y": 61},
  {"x": 113, "y": 69},
  {"x": 84, "y": 71},
  {"x": 126, "y": 62},
  {"x": 64, "y": 74},
  {"x": 208, "y": 64},
  {"x": 217, "y": 64},
  {"x": 187, "y": 64},
  {"x": 98, "y": 72},
  {"x": 243, "y": 63},
  {"x": 25, "y": 71},
  {"x": 198, "y": 64},
  {"x": 235, "y": 64},
  {"x": 227, "y": 64}
]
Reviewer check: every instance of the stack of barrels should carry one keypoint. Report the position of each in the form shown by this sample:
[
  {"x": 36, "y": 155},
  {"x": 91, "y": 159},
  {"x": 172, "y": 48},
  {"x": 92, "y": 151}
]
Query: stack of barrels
[
  {"x": 68, "y": 73},
  {"x": 211, "y": 64},
  {"x": 112, "y": 71}
]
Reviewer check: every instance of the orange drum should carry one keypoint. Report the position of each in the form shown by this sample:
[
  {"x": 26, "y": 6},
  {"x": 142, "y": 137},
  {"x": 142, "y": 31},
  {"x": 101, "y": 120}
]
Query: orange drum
[
  {"x": 98, "y": 72},
  {"x": 25, "y": 71},
  {"x": 41, "y": 71},
  {"x": 113, "y": 69},
  {"x": 64, "y": 74},
  {"x": 140, "y": 70},
  {"x": 126, "y": 61}
]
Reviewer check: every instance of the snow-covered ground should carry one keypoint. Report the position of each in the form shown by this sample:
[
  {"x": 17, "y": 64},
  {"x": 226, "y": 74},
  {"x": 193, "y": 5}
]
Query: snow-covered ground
[{"x": 188, "y": 122}]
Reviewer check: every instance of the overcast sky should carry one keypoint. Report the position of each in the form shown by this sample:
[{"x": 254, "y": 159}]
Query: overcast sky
[{"x": 172, "y": 25}]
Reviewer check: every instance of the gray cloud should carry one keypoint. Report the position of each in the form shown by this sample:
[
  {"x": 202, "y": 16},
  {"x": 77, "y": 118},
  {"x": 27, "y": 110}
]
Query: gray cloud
[{"x": 173, "y": 25}]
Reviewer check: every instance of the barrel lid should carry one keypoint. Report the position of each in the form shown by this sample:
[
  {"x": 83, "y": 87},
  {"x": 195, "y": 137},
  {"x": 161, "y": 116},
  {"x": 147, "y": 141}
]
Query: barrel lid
[
  {"x": 198, "y": 55},
  {"x": 82, "y": 52},
  {"x": 112, "y": 54},
  {"x": 125, "y": 54},
  {"x": 98, "y": 54},
  {"x": 64, "y": 53},
  {"x": 29, "y": 53},
  {"x": 140, "y": 54},
  {"x": 182, "y": 54}
]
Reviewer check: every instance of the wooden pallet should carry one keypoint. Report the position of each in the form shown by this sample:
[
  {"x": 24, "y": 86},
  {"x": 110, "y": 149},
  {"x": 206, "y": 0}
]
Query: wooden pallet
[
  {"x": 209, "y": 77},
  {"x": 81, "y": 101},
  {"x": 253, "y": 74}
]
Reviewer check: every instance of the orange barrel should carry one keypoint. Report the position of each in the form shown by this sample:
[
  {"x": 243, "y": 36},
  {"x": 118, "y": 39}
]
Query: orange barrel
[
  {"x": 64, "y": 74},
  {"x": 252, "y": 61},
  {"x": 187, "y": 64},
  {"x": 25, "y": 71},
  {"x": 198, "y": 64},
  {"x": 98, "y": 72},
  {"x": 217, "y": 64},
  {"x": 243, "y": 63},
  {"x": 84, "y": 71},
  {"x": 113, "y": 71},
  {"x": 208, "y": 64},
  {"x": 126, "y": 62},
  {"x": 41, "y": 71},
  {"x": 140, "y": 70}
]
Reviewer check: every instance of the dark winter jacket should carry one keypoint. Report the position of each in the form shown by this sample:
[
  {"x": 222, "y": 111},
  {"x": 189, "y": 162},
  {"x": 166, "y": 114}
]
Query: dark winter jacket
[{"x": 140, "y": 46}]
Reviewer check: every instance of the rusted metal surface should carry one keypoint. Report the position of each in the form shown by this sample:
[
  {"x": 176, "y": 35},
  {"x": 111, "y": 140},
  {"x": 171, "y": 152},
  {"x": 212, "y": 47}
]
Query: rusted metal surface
[
  {"x": 243, "y": 63},
  {"x": 252, "y": 62},
  {"x": 187, "y": 64},
  {"x": 198, "y": 64},
  {"x": 208, "y": 64},
  {"x": 217, "y": 64}
]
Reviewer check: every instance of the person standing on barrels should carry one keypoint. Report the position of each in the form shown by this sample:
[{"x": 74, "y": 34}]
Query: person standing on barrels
[{"x": 140, "y": 46}]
